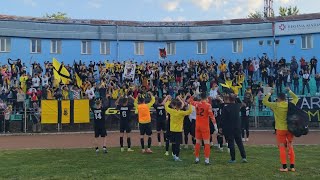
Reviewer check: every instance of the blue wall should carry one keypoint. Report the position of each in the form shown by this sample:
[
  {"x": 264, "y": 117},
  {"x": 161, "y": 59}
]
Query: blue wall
[{"x": 71, "y": 49}]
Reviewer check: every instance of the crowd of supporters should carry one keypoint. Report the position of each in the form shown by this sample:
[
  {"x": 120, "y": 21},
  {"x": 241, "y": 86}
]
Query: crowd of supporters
[{"x": 22, "y": 82}]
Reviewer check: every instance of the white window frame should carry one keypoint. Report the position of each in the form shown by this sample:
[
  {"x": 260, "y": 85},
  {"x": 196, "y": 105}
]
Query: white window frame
[
  {"x": 293, "y": 43},
  {"x": 7, "y": 44},
  {"x": 203, "y": 47},
  {"x": 37, "y": 46},
  {"x": 139, "y": 48},
  {"x": 105, "y": 47},
  {"x": 171, "y": 48},
  {"x": 57, "y": 45},
  {"x": 88, "y": 47},
  {"x": 307, "y": 41},
  {"x": 239, "y": 46}
]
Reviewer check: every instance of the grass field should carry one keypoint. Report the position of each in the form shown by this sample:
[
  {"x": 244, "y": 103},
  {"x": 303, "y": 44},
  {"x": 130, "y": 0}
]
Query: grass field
[{"x": 85, "y": 164}]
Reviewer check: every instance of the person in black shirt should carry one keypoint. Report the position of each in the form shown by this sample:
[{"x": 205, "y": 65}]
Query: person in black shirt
[
  {"x": 231, "y": 127},
  {"x": 161, "y": 119},
  {"x": 125, "y": 109},
  {"x": 99, "y": 124},
  {"x": 217, "y": 105},
  {"x": 245, "y": 111},
  {"x": 313, "y": 64}
]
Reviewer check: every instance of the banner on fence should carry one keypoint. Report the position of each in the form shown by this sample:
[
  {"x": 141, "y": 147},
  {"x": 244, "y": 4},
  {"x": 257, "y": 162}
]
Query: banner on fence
[
  {"x": 311, "y": 105},
  {"x": 129, "y": 71},
  {"x": 65, "y": 111}
]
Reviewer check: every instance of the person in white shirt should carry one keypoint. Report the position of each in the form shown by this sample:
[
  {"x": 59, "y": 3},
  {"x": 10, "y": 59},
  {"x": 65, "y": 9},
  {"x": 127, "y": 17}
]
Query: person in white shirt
[
  {"x": 196, "y": 85},
  {"x": 213, "y": 92},
  {"x": 45, "y": 80},
  {"x": 305, "y": 81},
  {"x": 36, "y": 81},
  {"x": 192, "y": 118}
]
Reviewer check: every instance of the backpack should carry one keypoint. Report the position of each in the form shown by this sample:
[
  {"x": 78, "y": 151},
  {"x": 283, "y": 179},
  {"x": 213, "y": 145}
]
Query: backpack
[{"x": 298, "y": 120}]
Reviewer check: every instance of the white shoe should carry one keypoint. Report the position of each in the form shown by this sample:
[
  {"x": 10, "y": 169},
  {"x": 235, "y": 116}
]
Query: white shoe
[
  {"x": 243, "y": 139},
  {"x": 228, "y": 150},
  {"x": 130, "y": 150},
  {"x": 143, "y": 151},
  {"x": 211, "y": 144},
  {"x": 167, "y": 153},
  {"x": 186, "y": 146},
  {"x": 247, "y": 139},
  {"x": 122, "y": 149},
  {"x": 221, "y": 149}
]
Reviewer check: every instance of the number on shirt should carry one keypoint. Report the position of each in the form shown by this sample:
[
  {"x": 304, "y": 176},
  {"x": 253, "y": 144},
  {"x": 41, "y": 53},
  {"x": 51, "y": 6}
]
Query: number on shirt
[
  {"x": 124, "y": 114},
  {"x": 98, "y": 116},
  {"x": 200, "y": 111}
]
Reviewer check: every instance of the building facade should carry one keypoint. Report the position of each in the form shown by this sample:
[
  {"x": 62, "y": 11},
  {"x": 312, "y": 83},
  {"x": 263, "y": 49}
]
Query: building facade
[{"x": 35, "y": 39}]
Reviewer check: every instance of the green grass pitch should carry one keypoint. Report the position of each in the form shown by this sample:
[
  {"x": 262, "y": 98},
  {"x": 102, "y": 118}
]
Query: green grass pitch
[{"x": 85, "y": 164}]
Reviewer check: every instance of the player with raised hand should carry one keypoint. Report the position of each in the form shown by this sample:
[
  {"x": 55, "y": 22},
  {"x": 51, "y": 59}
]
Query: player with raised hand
[
  {"x": 100, "y": 130},
  {"x": 204, "y": 112},
  {"x": 161, "y": 119},
  {"x": 125, "y": 119},
  {"x": 144, "y": 119}
]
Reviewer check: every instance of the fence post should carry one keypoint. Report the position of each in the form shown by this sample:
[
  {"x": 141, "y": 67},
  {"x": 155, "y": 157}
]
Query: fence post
[
  {"x": 255, "y": 117},
  {"x": 25, "y": 117}
]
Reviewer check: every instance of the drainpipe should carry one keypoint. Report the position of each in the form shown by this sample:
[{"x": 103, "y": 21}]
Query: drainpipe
[
  {"x": 274, "y": 40},
  {"x": 118, "y": 48}
]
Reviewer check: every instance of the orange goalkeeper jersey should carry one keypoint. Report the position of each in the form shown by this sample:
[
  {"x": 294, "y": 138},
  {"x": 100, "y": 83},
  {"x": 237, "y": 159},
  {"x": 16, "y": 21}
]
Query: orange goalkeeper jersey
[{"x": 204, "y": 112}]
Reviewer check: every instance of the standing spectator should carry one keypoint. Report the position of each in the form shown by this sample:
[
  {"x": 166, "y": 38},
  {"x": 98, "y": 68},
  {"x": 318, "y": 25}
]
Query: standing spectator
[
  {"x": 296, "y": 83},
  {"x": 21, "y": 97},
  {"x": 260, "y": 98},
  {"x": 313, "y": 64},
  {"x": 305, "y": 80},
  {"x": 256, "y": 69},
  {"x": 36, "y": 81},
  {"x": 7, "y": 115},
  {"x": 3, "y": 107},
  {"x": 294, "y": 66}
]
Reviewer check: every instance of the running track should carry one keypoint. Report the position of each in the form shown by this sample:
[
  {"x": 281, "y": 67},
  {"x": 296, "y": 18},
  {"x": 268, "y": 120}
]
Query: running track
[{"x": 85, "y": 140}]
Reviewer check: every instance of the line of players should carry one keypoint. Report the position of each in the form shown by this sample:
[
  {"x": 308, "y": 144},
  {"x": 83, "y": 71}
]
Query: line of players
[{"x": 173, "y": 117}]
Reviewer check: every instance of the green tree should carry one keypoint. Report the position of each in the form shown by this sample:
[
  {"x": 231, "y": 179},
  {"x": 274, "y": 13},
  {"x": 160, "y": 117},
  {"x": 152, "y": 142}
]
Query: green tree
[
  {"x": 288, "y": 11},
  {"x": 57, "y": 16},
  {"x": 255, "y": 15}
]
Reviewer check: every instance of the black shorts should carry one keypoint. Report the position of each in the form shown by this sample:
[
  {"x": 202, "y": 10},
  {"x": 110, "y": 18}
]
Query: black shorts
[
  {"x": 176, "y": 137},
  {"x": 211, "y": 127},
  {"x": 161, "y": 125},
  {"x": 145, "y": 129},
  {"x": 187, "y": 126},
  {"x": 100, "y": 132},
  {"x": 125, "y": 126}
]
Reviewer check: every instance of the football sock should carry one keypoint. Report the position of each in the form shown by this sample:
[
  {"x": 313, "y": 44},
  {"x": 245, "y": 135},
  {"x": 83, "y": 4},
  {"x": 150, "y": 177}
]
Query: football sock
[
  {"x": 149, "y": 142},
  {"x": 142, "y": 143},
  {"x": 121, "y": 141},
  {"x": 129, "y": 142}
]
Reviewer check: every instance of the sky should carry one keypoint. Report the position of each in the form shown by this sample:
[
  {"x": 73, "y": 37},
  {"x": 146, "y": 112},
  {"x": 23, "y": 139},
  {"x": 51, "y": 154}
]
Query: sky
[{"x": 149, "y": 10}]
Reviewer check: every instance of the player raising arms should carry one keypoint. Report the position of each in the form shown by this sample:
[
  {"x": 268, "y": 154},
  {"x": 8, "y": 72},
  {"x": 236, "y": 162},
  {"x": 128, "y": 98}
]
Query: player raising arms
[
  {"x": 125, "y": 123},
  {"x": 204, "y": 112},
  {"x": 176, "y": 123},
  {"x": 161, "y": 119},
  {"x": 144, "y": 119},
  {"x": 99, "y": 112}
]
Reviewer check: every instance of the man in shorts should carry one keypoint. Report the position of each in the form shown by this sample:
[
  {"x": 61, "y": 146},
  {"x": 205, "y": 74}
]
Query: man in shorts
[{"x": 161, "y": 119}]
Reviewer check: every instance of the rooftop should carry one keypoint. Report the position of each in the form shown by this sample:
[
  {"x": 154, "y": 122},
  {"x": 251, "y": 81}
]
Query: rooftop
[{"x": 155, "y": 24}]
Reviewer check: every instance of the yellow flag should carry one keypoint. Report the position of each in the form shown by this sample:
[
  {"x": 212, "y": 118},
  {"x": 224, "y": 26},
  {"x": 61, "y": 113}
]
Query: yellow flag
[{"x": 61, "y": 72}]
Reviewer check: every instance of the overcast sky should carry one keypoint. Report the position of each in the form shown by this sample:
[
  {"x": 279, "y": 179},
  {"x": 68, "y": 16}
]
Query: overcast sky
[{"x": 149, "y": 10}]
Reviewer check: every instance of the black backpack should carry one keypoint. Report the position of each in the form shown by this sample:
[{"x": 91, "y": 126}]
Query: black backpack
[{"x": 298, "y": 120}]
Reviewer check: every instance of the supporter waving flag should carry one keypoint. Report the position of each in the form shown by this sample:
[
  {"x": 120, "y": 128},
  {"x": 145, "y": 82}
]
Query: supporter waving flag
[{"x": 61, "y": 74}]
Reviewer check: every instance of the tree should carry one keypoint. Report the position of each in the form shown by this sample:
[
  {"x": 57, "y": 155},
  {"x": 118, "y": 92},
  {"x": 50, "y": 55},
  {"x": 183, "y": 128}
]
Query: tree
[
  {"x": 255, "y": 15},
  {"x": 288, "y": 11},
  {"x": 57, "y": 16}
]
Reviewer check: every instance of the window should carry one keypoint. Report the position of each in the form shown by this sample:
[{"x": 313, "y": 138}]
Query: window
[
  {"x": 269, "y": 42},
  {"x": 105, "y": 47},
  {"x": 35, "y": 46},
  {"x": 261, "y": 43},
  {"x": 139, "y": 48},
  {"x": 277, "y": 42},
  {"x": 237, "y": 46},
  {"x": 171, "y": 48},
  {"x": 307, "y": 42},
  {"x": 55, "y": 47},
  {"x": 202, "y": 47},
  {"x": 5, "y": 44},
  {"x": 292, "y": 41},
  {"x": 85, "y": 47}
]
